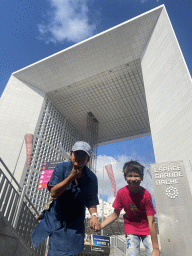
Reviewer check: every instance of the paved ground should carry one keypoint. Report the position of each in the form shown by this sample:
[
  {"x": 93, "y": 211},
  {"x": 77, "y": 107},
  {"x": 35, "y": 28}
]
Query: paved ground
[{"x": 117, "y": 252}]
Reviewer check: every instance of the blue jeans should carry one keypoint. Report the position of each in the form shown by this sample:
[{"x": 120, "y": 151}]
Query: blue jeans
[{"x": 133, "y": 245}]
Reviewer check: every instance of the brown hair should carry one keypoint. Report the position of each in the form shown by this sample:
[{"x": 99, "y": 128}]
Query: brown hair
[{"x": 133, "y": 166}]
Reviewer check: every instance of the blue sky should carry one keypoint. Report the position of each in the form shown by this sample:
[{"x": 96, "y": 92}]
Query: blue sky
[{"x": 31, "y": 30}]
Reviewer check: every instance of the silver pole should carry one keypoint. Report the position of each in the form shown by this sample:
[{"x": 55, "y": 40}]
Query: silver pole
[
  {"x": 17, "y": 160},
  {"x": 149, "y": 173},
  {"x": 147, "y": 181},
  {"x": 47, "y": 246},
  {"x": 18, "y": 211},
  {"x": 103, "y": 202}
]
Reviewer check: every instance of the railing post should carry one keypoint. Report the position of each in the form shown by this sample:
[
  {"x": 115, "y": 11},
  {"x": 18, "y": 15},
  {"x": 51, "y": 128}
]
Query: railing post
[
  {"x": 18, "y": 211},
  {"x": 47, "y": 245}
]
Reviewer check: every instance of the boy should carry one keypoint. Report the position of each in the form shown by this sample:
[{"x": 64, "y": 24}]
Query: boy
[
  {"x": 73, "y": 187},
  {"x": 139, "y": 212}
]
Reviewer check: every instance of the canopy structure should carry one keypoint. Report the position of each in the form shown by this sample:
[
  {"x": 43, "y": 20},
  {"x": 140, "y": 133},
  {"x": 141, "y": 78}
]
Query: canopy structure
[{"x": 101, "y": 75}]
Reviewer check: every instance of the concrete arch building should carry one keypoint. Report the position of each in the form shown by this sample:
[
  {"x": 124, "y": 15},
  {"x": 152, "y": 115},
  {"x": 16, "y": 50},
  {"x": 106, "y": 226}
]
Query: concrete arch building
[{"x": 132, "y": 77}]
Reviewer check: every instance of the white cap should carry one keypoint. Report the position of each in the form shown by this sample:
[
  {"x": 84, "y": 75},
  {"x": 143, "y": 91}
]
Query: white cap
[{"x": 82, "y": 145}]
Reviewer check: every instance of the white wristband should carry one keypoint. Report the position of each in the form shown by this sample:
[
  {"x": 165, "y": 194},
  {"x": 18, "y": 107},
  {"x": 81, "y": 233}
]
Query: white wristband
[{"x": 94, "y": 214}]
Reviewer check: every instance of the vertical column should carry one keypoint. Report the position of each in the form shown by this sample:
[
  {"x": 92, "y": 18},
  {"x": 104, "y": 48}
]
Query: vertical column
[
  {"x": 168, "y": 89},
  {"x": 92, "y": 138},
  {"x": 20, "y": 109},
  {"x": 172, "y": 198}
]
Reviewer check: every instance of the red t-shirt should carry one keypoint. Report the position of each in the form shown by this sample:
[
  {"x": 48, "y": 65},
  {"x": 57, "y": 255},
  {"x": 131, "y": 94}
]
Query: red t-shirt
[{"x": 137, "y": 206}]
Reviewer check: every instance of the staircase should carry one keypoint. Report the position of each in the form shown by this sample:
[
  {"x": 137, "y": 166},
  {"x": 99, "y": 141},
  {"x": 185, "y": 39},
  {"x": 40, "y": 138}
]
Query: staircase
[{"x": 17, "y": 218}]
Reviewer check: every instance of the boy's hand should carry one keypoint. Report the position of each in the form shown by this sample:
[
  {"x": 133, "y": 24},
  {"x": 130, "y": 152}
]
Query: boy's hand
[
  {"x": 95, "y": 223},
  {"x": 97, "y": 227},
  {"x": 155, "y": 252}
]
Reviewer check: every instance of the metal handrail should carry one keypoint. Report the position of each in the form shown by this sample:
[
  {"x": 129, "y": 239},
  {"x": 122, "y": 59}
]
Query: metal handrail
[
  {"x": 13, "y": 178},
  {"x": 123, "y": 244},
  {"x": 16, "y": 211},
  {"x": 115, "y": 240},
  {"x": 10, "y": 173}
]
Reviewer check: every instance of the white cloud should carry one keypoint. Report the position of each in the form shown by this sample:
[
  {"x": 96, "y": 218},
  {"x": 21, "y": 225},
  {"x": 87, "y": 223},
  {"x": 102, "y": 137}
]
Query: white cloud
[
  {"x": 117, "y": 165},
  {"x": 68, "y": 20}
]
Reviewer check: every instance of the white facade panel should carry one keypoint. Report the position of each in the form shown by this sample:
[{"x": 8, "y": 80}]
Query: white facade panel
[
  {"x": 52, "y": 131},
  {"x": 20, "y": 108},
  {"x": 25, "y": 109},
  {"x": 168, "y": 89}
]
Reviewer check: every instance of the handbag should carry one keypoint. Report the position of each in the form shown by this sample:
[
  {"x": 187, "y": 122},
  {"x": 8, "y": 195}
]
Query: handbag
[{"x": 45, "y": 208}]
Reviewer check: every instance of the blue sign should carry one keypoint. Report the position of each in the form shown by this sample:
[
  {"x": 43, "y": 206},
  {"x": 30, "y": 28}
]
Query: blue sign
[{"x": 100, "y": 240}]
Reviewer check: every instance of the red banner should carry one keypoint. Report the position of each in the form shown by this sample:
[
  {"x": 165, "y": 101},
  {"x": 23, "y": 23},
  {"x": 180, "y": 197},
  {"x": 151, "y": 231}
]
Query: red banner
[
  {"x": 111, "y": 178},
  {"x": 29, "y": 147}
]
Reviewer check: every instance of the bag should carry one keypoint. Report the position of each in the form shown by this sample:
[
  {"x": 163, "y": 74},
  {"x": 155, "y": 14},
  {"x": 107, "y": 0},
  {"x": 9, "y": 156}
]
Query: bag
[{"x": 45, "y": 208}]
